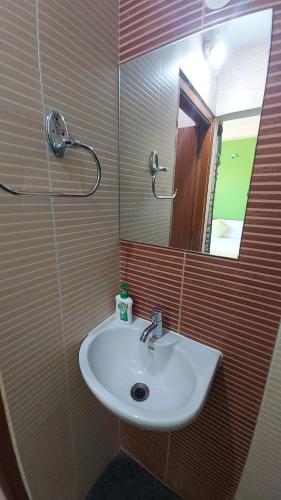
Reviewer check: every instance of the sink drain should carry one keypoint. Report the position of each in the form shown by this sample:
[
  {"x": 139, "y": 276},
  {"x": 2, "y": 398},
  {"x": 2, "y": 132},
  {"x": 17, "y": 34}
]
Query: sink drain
[{"x": 139, "y": 392}]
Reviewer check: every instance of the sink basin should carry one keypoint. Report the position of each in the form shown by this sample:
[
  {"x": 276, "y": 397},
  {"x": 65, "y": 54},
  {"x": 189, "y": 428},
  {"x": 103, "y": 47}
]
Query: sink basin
[{"x": 178, "y": 374}]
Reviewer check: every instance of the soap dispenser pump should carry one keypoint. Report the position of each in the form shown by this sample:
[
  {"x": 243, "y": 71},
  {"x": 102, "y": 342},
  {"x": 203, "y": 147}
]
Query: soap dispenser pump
[{"x": 124, "y": 305}]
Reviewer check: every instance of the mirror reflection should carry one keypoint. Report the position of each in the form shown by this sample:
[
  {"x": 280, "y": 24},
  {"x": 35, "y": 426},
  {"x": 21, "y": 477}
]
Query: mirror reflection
[{"x": 189, "y": 121}]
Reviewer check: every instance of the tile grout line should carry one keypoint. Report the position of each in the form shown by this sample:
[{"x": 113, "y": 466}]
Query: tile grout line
[
  {"x": 203, "y": 12},
  {"x": 68, "y": 396},
  {"x": 181, "y": 292},
  {"x": 119, "y": 434},
  {"x": 167, "y": 459},
  {"x": 123, "y": 449}
]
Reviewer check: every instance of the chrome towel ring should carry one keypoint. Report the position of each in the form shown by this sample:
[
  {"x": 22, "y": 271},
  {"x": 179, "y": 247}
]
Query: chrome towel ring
[
  {"x": 59, "y": 143},
  {"x": 155, "y": 169}
]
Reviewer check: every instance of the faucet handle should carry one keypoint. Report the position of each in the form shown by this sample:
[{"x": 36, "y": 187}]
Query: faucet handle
[{"x": 156, "y": 315}]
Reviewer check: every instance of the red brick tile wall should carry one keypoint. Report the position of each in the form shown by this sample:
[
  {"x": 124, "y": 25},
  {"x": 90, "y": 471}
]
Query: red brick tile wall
[{"x": 232, "y": 305}]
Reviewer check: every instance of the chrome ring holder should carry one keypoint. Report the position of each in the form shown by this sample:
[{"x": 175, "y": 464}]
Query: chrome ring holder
[
  {"x": 59, "y": 143},
  {"x": 155, "y": 169}
]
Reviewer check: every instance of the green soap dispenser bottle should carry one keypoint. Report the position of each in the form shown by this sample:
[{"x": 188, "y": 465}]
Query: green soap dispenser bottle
[{"x": 124, "y": 305}]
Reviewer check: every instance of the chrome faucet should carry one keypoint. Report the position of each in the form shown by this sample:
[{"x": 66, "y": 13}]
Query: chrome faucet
[{"x": 155, "y": 328}]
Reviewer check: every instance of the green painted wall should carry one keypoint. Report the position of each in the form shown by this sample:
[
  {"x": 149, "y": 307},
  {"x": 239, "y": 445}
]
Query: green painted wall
[{"x": 233, "y": 179}]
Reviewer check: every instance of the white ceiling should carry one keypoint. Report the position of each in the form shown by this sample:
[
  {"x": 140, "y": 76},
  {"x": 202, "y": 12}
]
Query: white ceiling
[
  {"x": 243, "y": 32},
  {"x": 241, "y": 128},
  {"x": 184, "y": 120},
  {"x": 247, "y": 41}
]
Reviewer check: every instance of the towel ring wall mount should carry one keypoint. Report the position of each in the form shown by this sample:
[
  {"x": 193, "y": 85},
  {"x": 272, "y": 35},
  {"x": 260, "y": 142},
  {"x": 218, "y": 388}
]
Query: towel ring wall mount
[
  {"x": 59, "y": 143},
  {"x": 156, "y": 169}
]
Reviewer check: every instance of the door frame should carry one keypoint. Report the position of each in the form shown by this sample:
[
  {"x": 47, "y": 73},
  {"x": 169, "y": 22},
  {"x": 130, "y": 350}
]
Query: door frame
[{"x": 198, "y": 110}]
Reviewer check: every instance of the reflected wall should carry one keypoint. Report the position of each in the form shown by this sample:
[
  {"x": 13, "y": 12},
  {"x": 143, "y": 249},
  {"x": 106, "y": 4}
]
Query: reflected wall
[{"x": 152, "y": 117}]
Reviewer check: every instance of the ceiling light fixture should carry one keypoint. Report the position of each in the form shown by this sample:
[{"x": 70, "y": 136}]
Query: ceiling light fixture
[{"x": 216, "y": 55}]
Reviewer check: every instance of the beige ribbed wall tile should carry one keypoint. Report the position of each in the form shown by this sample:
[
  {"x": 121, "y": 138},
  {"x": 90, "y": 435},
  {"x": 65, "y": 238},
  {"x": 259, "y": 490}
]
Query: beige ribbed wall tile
[
  {"x": 149, "y": 94},
  {"x": 85, "y": 89},
  {"x": 141, "y": 96},
  {"x": 64, "y": 436},
  {"x": 261, "y": 477},
  {"x": 22, "y": 143},
  {"x": 31, "y": 343},
  {"x": 31, "y": 347}
]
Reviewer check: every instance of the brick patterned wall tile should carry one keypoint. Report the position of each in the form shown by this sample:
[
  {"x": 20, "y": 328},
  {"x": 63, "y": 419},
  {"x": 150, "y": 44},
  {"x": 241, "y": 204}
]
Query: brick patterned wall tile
[
  {"x": 59, "y": 258},
  {"x": 149, "y": 448},
  {"x": 155, "y": 277},
  {"x": 232, "y": 305}
]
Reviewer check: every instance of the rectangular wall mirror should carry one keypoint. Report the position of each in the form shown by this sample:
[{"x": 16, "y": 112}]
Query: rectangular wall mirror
[{"x": 189, "y": 121}]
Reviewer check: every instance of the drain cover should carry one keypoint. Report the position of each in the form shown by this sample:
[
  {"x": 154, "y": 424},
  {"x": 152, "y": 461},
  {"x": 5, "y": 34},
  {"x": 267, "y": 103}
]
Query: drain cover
[{"x": 140, "y": 392}]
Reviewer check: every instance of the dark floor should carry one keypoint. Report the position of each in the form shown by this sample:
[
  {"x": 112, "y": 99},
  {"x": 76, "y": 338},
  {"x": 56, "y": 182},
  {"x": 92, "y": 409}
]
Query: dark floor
[{"x": 125, "y": 479}]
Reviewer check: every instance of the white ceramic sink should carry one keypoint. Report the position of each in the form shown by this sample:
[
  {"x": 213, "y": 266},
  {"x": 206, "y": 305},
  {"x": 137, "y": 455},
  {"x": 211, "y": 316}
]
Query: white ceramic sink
[{"x": 178, "y": 373}]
